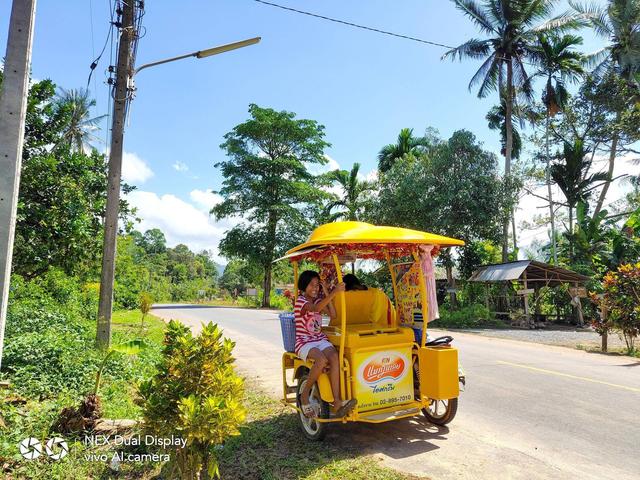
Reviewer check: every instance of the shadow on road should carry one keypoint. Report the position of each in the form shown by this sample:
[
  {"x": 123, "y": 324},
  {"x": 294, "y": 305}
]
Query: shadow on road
[
  {"x": 397, "y": 439},
  {"x": 274, "y": 447}
]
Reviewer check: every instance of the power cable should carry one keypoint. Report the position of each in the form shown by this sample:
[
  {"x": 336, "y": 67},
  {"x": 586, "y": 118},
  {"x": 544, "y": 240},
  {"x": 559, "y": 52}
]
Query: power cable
[
  {"x": 355, "y": 25},
  {"x": 364, "y": 27}
]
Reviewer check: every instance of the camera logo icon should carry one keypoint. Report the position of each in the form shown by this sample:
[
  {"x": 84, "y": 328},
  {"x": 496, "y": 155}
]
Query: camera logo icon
[
  {"x": 30, "y": 448},
  {"x": 56, "y": 448}
]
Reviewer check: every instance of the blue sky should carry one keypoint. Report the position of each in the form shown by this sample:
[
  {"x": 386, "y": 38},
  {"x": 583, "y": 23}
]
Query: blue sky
[{"x": 364, "y": 87}]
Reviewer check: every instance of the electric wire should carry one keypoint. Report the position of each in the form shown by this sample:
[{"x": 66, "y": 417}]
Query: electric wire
[
  {"x": 355, "y": 25},
  {"x": 371, "y": 29}
]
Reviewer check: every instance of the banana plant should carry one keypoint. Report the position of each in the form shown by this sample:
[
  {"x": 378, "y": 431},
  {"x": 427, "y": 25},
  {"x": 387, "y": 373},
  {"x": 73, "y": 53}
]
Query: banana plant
[{"x": 133, "y": 347}]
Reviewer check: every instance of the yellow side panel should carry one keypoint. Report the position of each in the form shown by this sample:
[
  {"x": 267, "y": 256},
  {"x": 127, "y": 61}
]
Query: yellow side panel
[
  {"x": 439, "y": 373},
  {"x": 383, "y": 378}
]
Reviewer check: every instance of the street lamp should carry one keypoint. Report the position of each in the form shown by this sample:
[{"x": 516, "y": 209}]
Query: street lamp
[
  {"x": 203, "y": 53},
  {"x": 124, "y": 75}
]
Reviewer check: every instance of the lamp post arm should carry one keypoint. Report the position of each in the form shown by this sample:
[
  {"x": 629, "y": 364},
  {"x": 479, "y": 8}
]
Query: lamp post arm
[
  {"x": 203, "y": 53},
  {"x": 166, "y": 60}
]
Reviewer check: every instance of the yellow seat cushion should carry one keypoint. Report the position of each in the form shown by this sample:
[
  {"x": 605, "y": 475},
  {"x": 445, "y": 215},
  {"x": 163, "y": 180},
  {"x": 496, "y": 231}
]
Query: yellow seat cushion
[{"x": 371, "y": 306}]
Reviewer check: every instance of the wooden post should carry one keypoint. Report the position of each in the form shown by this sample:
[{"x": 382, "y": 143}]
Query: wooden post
[
  {"x": 579, "y": 307},
  {"x": 526, "y": 299},
  {"x": 604, "y": 338},
  {"x": 486, "y": 295}
]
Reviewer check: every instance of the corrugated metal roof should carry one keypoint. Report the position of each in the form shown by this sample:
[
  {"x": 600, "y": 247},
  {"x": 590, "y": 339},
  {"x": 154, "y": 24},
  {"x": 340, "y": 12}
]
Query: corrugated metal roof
[
  {"x": 500, "y": 272},
  {"x": 536, "y": 271}
]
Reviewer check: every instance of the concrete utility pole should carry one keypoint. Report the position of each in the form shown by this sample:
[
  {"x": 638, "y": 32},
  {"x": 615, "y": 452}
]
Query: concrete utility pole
[
  {"x": 13, "y": 109},
  {"x": 123, "y": 75}
]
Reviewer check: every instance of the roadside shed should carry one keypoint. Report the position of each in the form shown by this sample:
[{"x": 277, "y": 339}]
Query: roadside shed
[{"x": 530, "y": 276}]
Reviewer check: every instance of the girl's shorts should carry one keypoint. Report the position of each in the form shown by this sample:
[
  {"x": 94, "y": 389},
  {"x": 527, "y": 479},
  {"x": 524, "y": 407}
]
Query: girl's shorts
[{"x": 307, "y": 347}]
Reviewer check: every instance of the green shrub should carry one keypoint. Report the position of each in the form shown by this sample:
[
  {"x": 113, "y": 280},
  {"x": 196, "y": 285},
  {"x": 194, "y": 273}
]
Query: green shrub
[
  {"x": 45, "y": 352},
  {"x": 621, "y": 299},
  {"x": 280, "y": 302},
  {"x": 471, "y": 316},
  {"x": 195, "y": 395}
]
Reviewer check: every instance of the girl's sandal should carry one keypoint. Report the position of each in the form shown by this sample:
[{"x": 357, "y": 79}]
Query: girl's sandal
[
  {"x": 345, "y": 408},
  {"x": 308, "y": 411}
]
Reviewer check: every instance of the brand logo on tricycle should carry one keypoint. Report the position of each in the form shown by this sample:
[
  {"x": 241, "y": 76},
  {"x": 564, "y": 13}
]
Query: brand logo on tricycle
[{"x": 389, "y": 367}]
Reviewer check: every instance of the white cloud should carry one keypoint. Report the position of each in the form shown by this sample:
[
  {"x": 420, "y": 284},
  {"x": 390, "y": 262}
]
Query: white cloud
[
  {"x": 372, "y": 176},
  {"x": 134, "y": 169},
  {"x": 180, "y": 166},
  {"x": 331, "y": 163},
  {"x": 530, "y": 205},
  {"x": 205, "y": 199},
  {"x": 317, "y": 169},
  {"x": 181, "y": 221}
]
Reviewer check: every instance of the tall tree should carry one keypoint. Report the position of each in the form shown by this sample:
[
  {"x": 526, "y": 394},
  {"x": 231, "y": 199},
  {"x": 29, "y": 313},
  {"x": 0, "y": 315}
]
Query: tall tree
[
  {"x": 455, "y": 191},
  {"x": 573, "y": 177},
  {"x": 354, "y": 194},
  {"x": 266, "y": 182},
  {"x": 619, "y": 23},
  {"x": 496, "y": 118},
  {"x": 406, "y": 144},
  {"x": 62, "y": 193},
  {"x": 80, "y": 127},
  {"x": 512, "y": 28},
  {"x": 558, "y": 62}
]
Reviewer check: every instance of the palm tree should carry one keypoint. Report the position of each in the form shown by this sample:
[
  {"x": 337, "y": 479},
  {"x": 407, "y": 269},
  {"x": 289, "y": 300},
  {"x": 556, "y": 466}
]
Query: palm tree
[
  {"x": 354, "y": 191},
  {"x": 558, "y": 62},
  {"x": 496, "y": 121},
  {"x": 512, "y": 33},
  {"x": 572, "y": 176},
  {"x": 78, "y": 132},
  {"x": 406, "y": 144},
  {"x": 618, "y": 22}
]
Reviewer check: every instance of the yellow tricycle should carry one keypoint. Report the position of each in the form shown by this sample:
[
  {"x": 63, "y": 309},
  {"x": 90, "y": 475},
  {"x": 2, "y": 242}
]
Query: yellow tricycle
[{"x": 387, "y": 362}]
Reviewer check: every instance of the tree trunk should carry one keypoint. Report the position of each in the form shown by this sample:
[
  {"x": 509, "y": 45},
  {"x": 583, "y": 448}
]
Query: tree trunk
[
  {"x": 513, "y": 228},
  {"x": 551, "y": 212},
  {"x": 452, "y": 284},
  {"x": 571, "y": 233},
  {"x": 271, "y": 245},
  {"x": 266, "y": 285},
  {"x": 612, "y": 159},
  {"x": 507, "y": 154}
]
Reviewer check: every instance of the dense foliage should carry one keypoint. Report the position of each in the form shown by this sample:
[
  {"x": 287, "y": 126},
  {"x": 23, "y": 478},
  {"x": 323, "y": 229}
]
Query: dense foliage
[
  {"x": 195, "y": 395},
  {"x": 62, "y": 191},
  {"x": 267, "y": 182},
  {"x": 621, "y": 301}
]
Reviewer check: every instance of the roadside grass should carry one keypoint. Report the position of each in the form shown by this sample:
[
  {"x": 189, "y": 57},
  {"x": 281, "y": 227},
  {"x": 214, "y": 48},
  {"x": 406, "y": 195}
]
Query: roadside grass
[
  {"x": 21, "y": 418},
  {"x": 272, "y": 447}
]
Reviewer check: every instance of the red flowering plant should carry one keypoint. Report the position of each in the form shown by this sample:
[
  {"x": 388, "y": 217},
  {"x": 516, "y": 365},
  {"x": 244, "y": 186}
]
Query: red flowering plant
[
  {"x": 289, "y": 296},
  {"x": 621, "y": 300}
]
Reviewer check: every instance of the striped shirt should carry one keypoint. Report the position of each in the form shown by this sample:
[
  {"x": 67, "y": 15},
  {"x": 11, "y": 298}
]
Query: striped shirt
[{"x": 308, "y": 325}]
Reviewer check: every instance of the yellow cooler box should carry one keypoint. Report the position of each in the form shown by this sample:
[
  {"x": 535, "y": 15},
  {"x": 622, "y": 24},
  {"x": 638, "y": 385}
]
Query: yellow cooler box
[
  {"x": 383, "y": 378},
  {"x": 439, "y": 372}
]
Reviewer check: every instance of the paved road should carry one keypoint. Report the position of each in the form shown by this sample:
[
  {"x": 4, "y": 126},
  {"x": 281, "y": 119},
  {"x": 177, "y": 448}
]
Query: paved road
[{"x": 529, "y": 410}]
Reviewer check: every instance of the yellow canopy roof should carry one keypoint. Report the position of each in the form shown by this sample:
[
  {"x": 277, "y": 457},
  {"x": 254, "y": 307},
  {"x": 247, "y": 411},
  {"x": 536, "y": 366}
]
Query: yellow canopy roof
[{"x": 359, "y": 232}]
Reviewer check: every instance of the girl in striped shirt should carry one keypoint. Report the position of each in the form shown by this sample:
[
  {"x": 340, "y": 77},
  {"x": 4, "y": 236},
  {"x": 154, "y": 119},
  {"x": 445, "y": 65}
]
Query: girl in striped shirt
[{"x": 312, "y": 343}]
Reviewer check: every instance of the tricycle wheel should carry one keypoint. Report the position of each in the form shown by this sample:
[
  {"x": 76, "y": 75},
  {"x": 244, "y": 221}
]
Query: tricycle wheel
[
  {"x": 311, "y": 428},
  {"x": 441, "y": 412}
]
